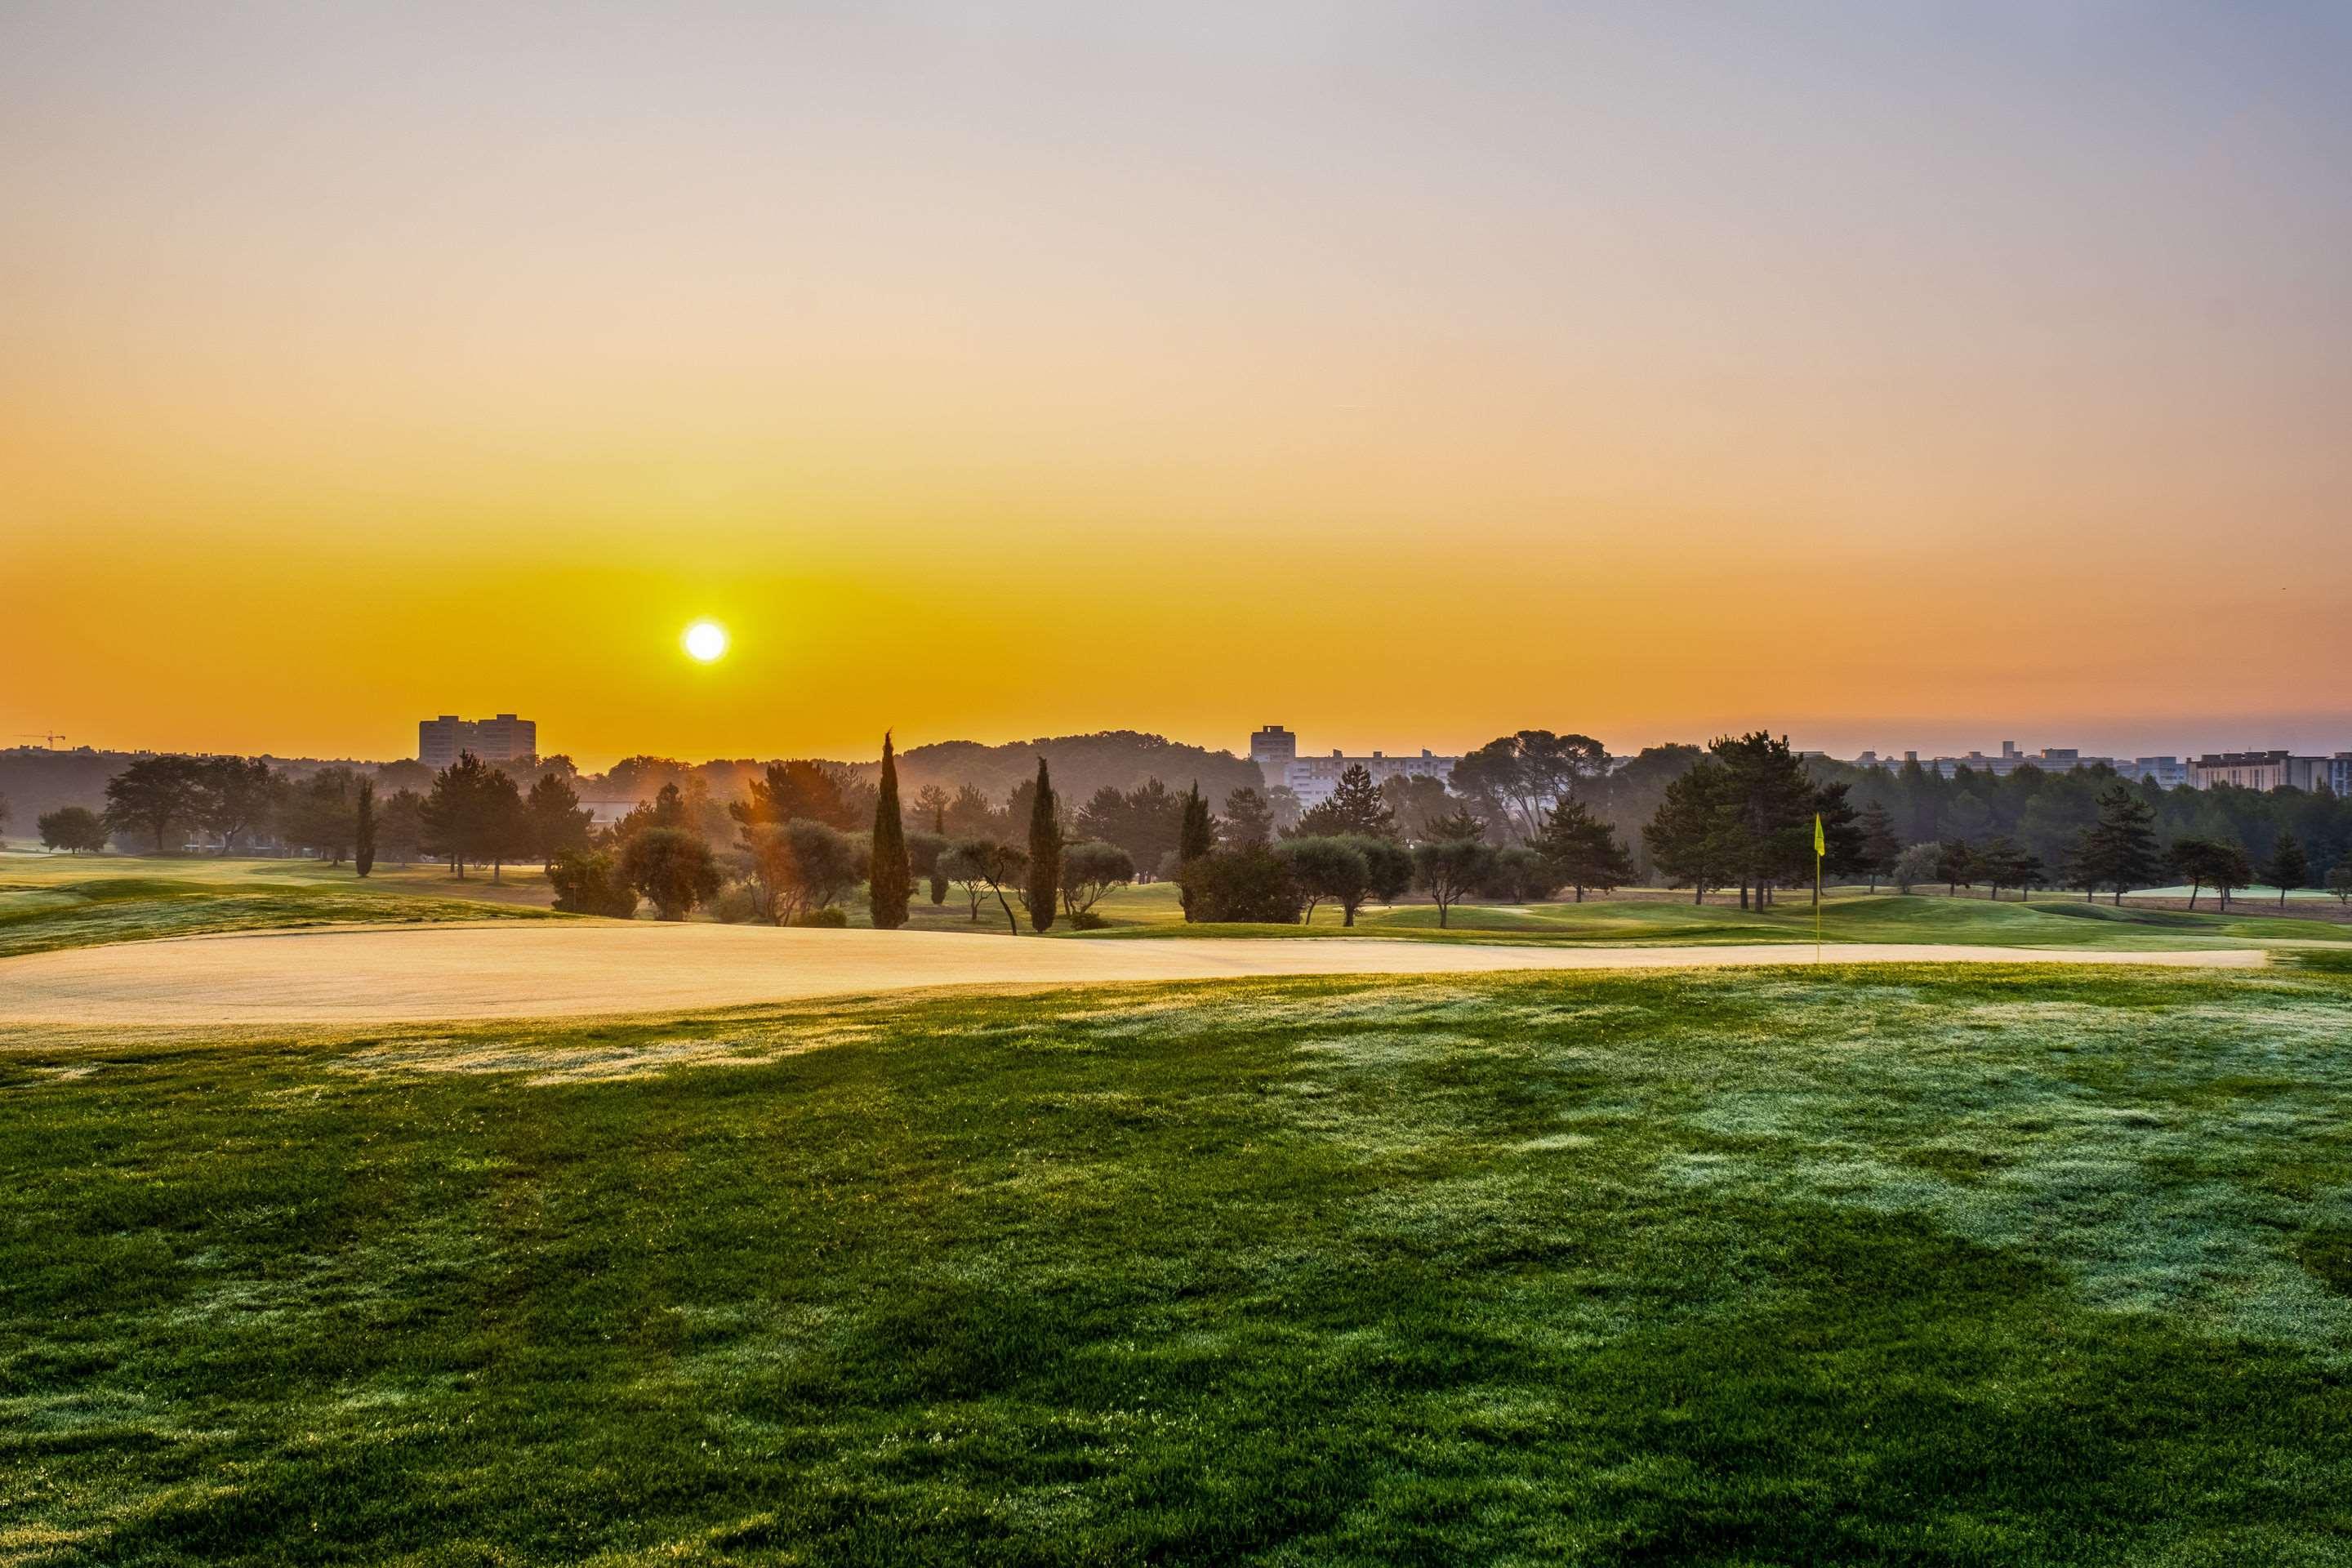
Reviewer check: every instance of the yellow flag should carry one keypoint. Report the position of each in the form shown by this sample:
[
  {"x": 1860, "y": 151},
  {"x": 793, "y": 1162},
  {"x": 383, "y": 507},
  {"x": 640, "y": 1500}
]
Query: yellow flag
[{"x": 1820, "y": 844}]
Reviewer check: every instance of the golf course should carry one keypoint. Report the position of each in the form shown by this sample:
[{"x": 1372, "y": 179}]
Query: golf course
[{"x": 738, "y": 1244}]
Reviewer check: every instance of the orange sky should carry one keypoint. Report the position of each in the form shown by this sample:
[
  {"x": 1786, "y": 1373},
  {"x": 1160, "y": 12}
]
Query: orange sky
[{"x": 1895, "y": 378}]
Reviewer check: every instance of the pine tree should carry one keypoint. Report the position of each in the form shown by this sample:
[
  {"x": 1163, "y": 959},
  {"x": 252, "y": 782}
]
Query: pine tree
[
  {"x": 1879, "y": 844},
  {"x": 1582, "y": 849},
  {"x": 2118, "y": 851},
  {"x": 1355, "y": 805},
  {"x": 2287, "y": 868},
  {"x": 1045, "y": 880},
  {"x": 889, "y": 883},
  {"x": 1196, "y": 834},
  {"x": 363, "y": 830}
]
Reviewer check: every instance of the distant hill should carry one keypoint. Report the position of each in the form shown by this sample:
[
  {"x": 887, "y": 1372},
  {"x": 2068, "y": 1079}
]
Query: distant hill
[
  {"x": 36, "y": 781},
  {"x": 1081, "y": 765}
]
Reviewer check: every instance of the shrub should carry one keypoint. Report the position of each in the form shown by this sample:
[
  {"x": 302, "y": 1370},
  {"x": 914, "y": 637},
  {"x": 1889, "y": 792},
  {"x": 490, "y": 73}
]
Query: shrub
[
  {"x": 1087, "y": 920},
  {"x": 1915, "y": 865},
  {"x": 1515, "y": 874},
  {"x": 830, "y": 918},
  {"x": 1246, "y": 884},
  {"x": 1089, "y": 869},
  {"x": 738, "y": 903},
  {"x": 589, "y": 882}
]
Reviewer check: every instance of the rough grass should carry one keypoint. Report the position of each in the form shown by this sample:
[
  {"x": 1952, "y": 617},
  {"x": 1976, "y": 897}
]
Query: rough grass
[
  {"x": 1920, "y": 1265},
  {"x": 106, "y": 907}
]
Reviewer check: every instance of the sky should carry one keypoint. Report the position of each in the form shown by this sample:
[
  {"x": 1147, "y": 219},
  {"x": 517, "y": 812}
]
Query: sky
[{"x": 1890, "y": 376}]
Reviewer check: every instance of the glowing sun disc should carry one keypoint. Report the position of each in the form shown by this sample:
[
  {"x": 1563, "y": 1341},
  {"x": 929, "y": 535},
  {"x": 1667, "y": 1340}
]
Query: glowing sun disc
[{"x": 706, "y": 641}]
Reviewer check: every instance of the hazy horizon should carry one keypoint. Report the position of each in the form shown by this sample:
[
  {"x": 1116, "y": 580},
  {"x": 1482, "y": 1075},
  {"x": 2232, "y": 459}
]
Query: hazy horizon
[
  {"x": 2321, "y": 734},
  {"x": 1894, "y": 376}
]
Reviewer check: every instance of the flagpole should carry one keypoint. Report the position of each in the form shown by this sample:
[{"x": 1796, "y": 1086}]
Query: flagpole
[{"x": 1820, "y": 849}]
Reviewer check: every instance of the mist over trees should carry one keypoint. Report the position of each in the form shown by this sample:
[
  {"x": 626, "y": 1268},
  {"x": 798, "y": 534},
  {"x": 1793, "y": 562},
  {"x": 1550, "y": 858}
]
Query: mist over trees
[{"x": 1533, "y": 816}]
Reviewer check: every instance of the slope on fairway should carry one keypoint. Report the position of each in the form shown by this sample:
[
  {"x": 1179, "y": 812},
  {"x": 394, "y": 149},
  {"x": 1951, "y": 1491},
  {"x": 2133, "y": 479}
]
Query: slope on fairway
[{"x": 572, "y": 968}]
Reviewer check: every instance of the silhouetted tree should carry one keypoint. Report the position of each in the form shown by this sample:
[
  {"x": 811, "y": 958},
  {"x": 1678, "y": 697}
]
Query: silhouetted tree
[
  {"x": 2118, "y": 850},
  {"x": 1356, "y": 806},
  {"x": 1583, "y": 851},
  {"x": 363, "y": 829},
  {"x": 154, "y": 793},
  {"x": 1694, "y": 838},
  {"x": 72, "y": 829},
  {"x": 1330, "y": 869},
  {"x": 590, "y": 882},
  {"x": 1388, "y": 866},
  {"x": 557, "y": 821},
  {"x": 1414, "y": 801},
  {"x": 888, "y": 885},
  {"x": 1089, "y": 869},
  {"x": 2002, "y": 863},
  {"x": 1515, "y": 780},
  {"x": 400, "y": 827},
  {"x": 236, "y": 793},
  {"x": 457, "y": 818},
  {"x": 1880, "y": 844},
  {"x": 1957, "y": 865},
  {"x": 320, "y": 814},
  {"x": 1045, "y": 883},
  {"x": 1248, "y": 818},
  {"x": 2219, "y": 864},
  {"x": 1449, "y": 869},
  {"x": 672, "y": 867},
  {"x": 999, "y": 868},
  {"x": 970, "y": 815},
  {"x": 2287, "y": 868}
]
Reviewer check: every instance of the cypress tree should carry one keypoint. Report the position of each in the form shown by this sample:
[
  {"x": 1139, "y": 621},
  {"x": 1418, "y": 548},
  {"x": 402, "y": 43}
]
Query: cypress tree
[
  {"x": 1194, "y": 837},
  {"x": 889, "y": 882},
  {"x": 1045, "y": 852},
  {"x": 363, "y": 829},
  {"x": 2286, "y": 867}
]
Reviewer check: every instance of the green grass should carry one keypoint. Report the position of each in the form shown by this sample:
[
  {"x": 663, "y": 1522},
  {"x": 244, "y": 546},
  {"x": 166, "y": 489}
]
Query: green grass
[
  {"x": 1647, "y": 918},
  {"x": 57, "y": 902},
  {"x": 61, "y": 901},
  {"x": 1903, "y": 1265}
]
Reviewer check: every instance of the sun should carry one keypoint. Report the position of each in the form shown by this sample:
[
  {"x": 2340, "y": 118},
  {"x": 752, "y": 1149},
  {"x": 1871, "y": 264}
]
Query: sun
[{"x": 706, "y": 641}]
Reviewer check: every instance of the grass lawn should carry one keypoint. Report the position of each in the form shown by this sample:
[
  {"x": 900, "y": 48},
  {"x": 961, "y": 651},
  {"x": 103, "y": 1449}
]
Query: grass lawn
[
  {"x": 60, "y": 901},
  {"x": 1848, "y": 916},
  {"x": 50, "y": 901},
  {"x": 1915, "y": 1266}
]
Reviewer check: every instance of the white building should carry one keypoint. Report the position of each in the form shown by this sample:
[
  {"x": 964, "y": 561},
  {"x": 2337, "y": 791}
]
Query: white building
[
  {"x": 1275, "y": 749},
  {"x": 2272, "y": 770},
  {"x": 504, "y": 739},
  {"x": 2169, "y": 772}
]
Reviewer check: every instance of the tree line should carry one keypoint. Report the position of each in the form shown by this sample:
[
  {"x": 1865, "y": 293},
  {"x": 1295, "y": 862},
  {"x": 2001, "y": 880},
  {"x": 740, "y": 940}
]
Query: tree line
[{"x": 1530, "y": 817}]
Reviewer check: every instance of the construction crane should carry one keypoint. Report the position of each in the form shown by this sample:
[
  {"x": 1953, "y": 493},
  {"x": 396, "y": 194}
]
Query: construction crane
[{"x": 48, "y": 741}]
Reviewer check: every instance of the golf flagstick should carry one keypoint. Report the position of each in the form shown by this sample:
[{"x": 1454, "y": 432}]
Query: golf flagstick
[{"x": 1820, "y": 848}]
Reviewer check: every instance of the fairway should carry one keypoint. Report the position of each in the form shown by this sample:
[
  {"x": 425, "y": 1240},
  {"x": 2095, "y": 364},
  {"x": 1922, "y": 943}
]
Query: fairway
[
  {"x": 571, "y": 968},
  {"x": 1918, "y": 1266}
]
